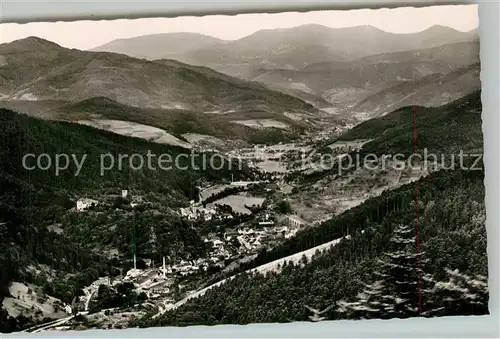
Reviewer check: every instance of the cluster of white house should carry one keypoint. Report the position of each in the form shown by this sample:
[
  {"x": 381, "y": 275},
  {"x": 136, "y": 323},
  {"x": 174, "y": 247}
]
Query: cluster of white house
[
  {"x": 219, "y": 251},
  {"x": 195, "y": 212}
]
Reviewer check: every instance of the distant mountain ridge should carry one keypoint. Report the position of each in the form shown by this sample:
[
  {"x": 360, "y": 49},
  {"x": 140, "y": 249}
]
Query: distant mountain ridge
[
  {"x": 158, "y": 46},
  {"x": 340, "y": 67},
  {"x": 299, "y": 69},
  {"x": 275, "y": 47}
]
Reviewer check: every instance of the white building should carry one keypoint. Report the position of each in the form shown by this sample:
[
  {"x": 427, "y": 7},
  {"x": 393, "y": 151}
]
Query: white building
[{"x": 266, "y": 221}]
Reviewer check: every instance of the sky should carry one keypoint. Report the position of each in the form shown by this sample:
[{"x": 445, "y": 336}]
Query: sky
[{"x": 89, "y": 34}]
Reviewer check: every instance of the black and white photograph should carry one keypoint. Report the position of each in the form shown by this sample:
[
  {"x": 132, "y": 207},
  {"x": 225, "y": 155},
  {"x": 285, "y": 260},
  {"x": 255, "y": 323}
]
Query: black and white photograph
[{"x": 240, "y": 169}]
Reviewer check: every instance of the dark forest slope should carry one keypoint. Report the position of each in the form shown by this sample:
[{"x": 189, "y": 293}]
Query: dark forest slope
[
  {"x": 452, "y": 235},
  {"x": 38, "y": 221}
]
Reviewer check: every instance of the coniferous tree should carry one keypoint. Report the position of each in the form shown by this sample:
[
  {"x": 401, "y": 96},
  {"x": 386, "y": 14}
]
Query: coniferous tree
[
  {"x": 396, "y": 291},
  {"x": 370, "y": 303}
]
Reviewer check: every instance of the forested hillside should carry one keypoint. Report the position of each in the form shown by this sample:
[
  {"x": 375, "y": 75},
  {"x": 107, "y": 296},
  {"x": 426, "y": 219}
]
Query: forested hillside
[
  {"x": 452, "y": 236},
  {"x": 442, "y": 130}
]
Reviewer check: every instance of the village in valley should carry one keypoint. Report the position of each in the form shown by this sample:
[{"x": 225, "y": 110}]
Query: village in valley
[
  {"x": 236, "y": 220},
  {"x": 248, "y": 217}
]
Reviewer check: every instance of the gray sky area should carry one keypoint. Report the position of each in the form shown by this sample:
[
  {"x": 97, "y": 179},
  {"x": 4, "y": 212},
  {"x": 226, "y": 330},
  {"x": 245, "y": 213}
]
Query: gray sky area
[{"x": 89, "y": 34}]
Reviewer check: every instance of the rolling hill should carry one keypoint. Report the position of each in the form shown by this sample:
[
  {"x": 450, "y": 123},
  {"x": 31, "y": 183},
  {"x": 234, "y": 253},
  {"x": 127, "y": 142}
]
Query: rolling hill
[
  {"x": 324, "y": 66},
  {"x": 445, "y": 130},
  {"x": 431, "y": 91},
  {"x": 35, "y": 69},
  {"x": 371, "y": 84},
  {"x": 340, "y": 272},
  {"x": 452, "y": 234}
]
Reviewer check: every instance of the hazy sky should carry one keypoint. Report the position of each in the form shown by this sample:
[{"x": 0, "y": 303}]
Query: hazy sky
[{"x": 89, "y": 34}]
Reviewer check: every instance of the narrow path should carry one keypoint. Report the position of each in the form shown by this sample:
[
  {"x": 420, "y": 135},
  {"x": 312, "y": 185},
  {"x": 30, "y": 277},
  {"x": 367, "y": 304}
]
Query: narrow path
[{"x": 87, "y": 302}]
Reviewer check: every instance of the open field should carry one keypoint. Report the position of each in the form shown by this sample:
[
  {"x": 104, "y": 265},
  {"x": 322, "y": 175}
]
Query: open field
[
  {"x": 262, "y": 123},
  {"x": 238, "y": 202},
  {"x": 133, "y": 129}
]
